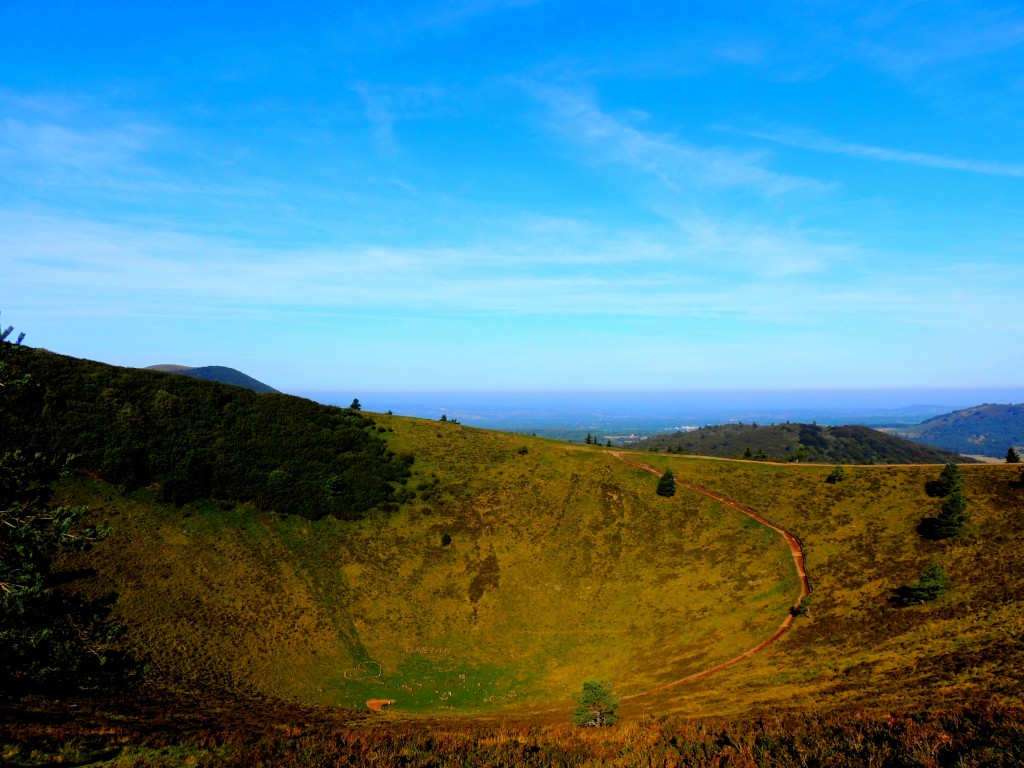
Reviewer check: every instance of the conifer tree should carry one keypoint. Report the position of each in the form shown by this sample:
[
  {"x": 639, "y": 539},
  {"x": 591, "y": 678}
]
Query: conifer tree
[
  {"x": 595, "y": 706},
  {"x": 952, "y": 516},
  {"x": 931, "y": 585},
  {"x": 667, "y": 484},
  {"x": 950, "y": 480}
]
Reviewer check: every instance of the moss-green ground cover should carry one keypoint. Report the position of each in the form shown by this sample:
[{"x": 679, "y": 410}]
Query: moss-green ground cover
[
  {"x": 562, "y": 565},
  {"x": 861, "y": 542}
]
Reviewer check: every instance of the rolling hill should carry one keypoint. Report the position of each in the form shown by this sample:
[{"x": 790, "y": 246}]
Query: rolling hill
[
  {"x": 985, "y": 430},
  {"x": 804, "y": 442},
  {"x": 220, "y": 373}
]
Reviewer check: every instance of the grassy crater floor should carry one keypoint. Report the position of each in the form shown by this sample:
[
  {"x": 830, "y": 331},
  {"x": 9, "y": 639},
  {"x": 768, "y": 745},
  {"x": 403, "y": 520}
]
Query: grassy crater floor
[
  {"x": 521, "y": 567},
  {"x": 508, "y": 579}
]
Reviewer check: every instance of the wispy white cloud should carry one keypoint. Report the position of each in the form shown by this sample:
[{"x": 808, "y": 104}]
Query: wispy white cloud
[
  {"x": 802, "y": 139},
  {"x": 60, "y": 146},
  {"x": 82, "y": 268},
  {"x": 577, "y": 118},
  {"x": 385, "y": 105},
  {"x": 738, "y": 303},
  {"x": 77, "y": 150},
  {"x": 767, "y": 252}
]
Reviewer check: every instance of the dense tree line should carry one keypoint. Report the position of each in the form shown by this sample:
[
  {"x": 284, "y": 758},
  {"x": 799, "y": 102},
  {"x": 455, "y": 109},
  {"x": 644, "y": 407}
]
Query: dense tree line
[
  {"x": 798, "y": 442},
  {"x": 197, "y": 439}
]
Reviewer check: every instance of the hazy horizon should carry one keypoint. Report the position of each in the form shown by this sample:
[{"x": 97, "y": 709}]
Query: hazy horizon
[{"x": 651, "y": 412}]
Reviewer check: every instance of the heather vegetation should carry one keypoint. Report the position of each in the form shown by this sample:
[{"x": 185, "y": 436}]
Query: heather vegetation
[
  {"x": 167, "y": 733},
  {"x": 862, "y": 542}
]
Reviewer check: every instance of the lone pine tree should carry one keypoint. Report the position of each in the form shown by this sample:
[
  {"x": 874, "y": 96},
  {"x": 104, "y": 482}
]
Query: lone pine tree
[
  {"x": 667, "y": 484},
  {"x": 595, "y": 706}
]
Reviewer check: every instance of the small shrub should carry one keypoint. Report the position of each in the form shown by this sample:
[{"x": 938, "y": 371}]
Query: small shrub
[
  {"x": 803, "y": 608},
  {"x": 446, "y": 539},
  {"x": 837, "y": 475}
]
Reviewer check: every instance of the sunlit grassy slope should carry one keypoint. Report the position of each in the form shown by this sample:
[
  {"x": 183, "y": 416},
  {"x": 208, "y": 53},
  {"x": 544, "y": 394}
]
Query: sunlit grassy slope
[
  {"x": 861, "y": 542},
  {"x": 563, "y": 565}
]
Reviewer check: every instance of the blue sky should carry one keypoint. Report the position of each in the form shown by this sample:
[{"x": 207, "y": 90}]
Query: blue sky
[{"x": 519, "y": 195}]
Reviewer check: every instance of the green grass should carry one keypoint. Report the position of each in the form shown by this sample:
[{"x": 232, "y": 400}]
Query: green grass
[
  {"x": 861, "y": 543},
  {"x": 564, "y": 565}
]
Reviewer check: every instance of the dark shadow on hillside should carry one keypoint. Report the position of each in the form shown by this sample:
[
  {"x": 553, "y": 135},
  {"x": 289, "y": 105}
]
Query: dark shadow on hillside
[
  {"x": 928, "y": 528},
  {"x": 60, "y": 578}
]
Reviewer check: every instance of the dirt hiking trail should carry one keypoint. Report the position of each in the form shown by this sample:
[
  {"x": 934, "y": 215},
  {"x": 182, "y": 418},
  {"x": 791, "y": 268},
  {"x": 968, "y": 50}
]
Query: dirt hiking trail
[{"x": 795, "y": 548}]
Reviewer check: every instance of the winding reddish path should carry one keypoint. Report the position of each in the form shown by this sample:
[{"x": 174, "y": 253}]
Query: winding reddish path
[{"x": 795, "y": 549}]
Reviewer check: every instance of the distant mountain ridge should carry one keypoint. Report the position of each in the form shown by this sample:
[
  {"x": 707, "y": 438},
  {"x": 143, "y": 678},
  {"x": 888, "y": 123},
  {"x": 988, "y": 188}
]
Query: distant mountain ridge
[
  {"x": 220, "y": 373},
  {"x": 986, "y": 430},
  {"x": 801, "y": 442}
]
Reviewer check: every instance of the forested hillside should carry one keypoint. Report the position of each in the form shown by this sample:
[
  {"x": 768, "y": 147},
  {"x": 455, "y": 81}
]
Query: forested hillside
[
  {"x": 799, "y": 442},
  {"x": 198, "y": 439},
  {"x": 985, "y": 430}
]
